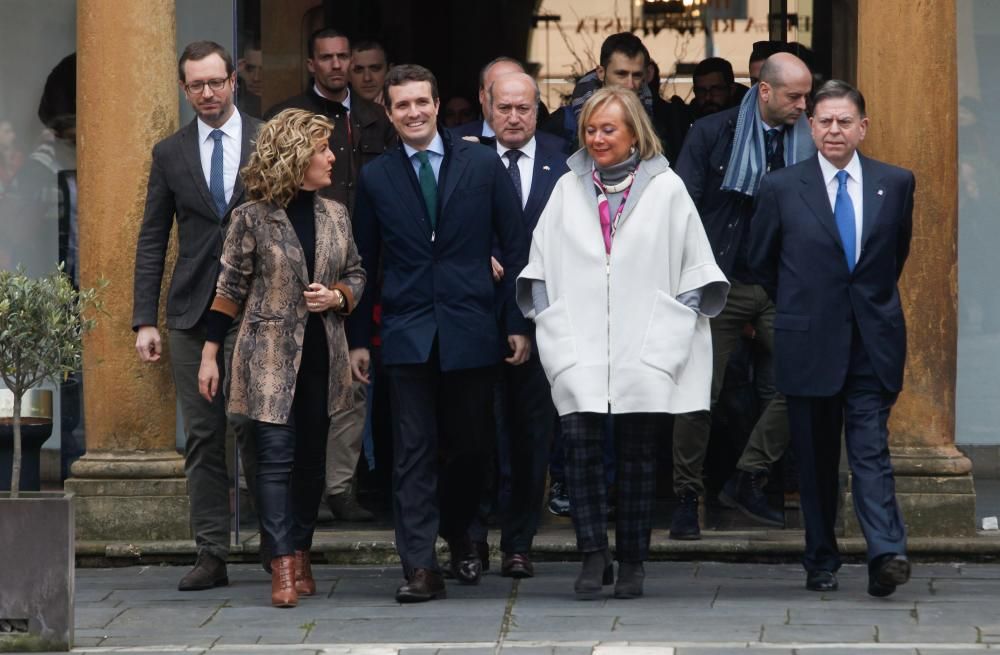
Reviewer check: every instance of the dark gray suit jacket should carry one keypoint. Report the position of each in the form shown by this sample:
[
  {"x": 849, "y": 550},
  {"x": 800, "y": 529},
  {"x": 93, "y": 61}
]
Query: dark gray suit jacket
[{"x": 177, "y": 187}]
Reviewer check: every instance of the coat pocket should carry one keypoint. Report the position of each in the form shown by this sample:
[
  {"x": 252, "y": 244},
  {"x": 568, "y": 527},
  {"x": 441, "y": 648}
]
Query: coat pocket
[
  {"x": 554, "y": 336},
  {"x": 669, "y": 335}
]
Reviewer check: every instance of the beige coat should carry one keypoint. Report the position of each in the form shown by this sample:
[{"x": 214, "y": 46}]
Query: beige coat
[{"x": 264, "y": 274}]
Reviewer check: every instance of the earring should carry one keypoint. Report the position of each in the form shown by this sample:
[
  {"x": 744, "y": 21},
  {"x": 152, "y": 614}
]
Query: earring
[{"x": 631, "y": 150}]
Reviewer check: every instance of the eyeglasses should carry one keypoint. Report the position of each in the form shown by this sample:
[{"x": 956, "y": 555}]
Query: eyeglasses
[{"x": 197, "y": 87}]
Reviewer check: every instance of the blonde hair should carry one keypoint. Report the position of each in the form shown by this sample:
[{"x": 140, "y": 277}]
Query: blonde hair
[
  {"x": 636, "y": 118},
  {"x": 285, "y": 144}
]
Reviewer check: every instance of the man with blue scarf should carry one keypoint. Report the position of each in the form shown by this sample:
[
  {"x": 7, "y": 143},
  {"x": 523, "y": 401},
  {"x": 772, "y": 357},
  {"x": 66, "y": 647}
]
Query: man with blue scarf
[{"x": 722, "y": 162}]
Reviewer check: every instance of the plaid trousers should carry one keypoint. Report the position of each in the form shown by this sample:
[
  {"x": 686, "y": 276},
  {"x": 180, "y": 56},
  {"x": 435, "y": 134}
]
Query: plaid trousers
[{"x": 635, "y": 446}]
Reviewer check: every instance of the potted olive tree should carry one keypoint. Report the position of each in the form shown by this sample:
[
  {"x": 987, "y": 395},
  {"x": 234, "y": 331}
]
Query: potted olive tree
[{"x": 42, "y": 323}]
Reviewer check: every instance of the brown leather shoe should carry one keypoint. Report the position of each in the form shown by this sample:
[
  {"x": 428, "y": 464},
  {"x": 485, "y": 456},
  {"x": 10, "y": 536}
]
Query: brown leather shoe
[
  {"x": 423, "y": 585},
  {"x": 208, "y": 572},
  {"x": 305, "y": 584},
  {"x": 517, "y": 565},
  {"x": 283, "y": 592}
]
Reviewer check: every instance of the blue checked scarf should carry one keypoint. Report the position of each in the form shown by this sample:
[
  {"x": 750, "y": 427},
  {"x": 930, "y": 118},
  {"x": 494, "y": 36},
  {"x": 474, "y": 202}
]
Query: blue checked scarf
[{"x": 748, "y": 160}]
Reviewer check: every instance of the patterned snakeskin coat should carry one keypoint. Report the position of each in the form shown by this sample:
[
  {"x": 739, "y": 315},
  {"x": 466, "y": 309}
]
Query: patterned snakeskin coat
[{"x": 264, "y": 274}]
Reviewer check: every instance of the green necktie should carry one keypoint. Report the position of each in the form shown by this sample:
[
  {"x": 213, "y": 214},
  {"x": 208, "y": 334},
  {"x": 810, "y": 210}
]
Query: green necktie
[{"x": 428, "y": 186}]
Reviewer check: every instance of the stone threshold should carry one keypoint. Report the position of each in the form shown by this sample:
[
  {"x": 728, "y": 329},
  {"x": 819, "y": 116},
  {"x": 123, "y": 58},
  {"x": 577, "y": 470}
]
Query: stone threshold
[{"x": 376, "y": 547}]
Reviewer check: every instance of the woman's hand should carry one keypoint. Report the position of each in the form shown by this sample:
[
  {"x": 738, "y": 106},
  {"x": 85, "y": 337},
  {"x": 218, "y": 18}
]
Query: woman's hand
[
  {"x": 319, "y": 298},
  {"x": 208, "y": 372}
]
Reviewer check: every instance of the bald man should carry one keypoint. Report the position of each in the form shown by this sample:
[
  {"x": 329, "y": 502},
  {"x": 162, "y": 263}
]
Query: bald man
[
  {"x": 481, "y": 128},
  {"x": 724, "y": 158}
]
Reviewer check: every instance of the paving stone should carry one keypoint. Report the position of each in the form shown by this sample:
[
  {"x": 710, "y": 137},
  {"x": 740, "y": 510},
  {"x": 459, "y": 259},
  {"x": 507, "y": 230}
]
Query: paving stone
[
  {"x": 959, "y": 613},
  {"x": 525, "y": 650},
  {"x": 561, "y": 625},
  {"x": 418, "y": 651},
  {"x": 926, "y": 634},
  {"x": 670, "y": 633},
  {"x": 818, "y": 634},
  {"x": 404, "y": 631},
  {"x": 818, "y": 616},
  {"x": 715, "y": 650},
  {"x": 177, "y": 640},
  {"x": 572, "y": 650},
  {"x": 94, "y": 617},
  {"x": 950, "y": 651}
]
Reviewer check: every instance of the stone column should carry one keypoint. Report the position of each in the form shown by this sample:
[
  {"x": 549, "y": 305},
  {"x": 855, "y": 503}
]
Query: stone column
[
  {"x": 914, "y": 125},
  {"x": 130, "y": 485}
]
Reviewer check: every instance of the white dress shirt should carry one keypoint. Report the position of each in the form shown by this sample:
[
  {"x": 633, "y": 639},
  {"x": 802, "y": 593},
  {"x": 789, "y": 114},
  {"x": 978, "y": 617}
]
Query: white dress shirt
[
  {"x": 488, "y": 130},
  {"x": 525, "y": 166},
  {"x": 232, "y": 144},
  {"x": 854, "y": 181}
]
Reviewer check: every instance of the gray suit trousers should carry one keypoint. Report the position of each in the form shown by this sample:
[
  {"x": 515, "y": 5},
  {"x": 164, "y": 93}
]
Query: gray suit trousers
[{"x": 206, "y": 427}]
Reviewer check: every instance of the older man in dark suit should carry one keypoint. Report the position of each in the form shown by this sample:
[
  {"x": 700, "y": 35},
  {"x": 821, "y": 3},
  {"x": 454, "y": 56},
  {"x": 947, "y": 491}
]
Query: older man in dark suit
[
  {"x": 829, "y": 239},
  {"x": 195, "y": 177},
  {"x": 525, "y": 411},
  {"x": 426, "y": 216}
]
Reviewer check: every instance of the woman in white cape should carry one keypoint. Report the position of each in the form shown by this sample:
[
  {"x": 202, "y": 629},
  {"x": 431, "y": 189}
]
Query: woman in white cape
[{"x": 621, "y": 283}]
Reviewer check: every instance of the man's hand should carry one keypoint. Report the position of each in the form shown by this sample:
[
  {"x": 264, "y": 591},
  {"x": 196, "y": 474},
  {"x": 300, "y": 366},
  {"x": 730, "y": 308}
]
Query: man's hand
[
  {"x": 521, "y": 345},
  {"x": 497, "y": 269},
  {"x": 360, "y": 360},
  {"x": 147, "y": 343}
]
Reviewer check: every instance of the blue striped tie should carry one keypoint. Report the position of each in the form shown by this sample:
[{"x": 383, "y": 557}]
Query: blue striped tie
[
  {"x": 216, "y": 181},
  {"x": 843, "y": 212}
]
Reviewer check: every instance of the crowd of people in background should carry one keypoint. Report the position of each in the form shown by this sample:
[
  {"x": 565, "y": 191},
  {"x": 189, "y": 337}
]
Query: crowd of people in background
[{"x": 525, "y": 296}]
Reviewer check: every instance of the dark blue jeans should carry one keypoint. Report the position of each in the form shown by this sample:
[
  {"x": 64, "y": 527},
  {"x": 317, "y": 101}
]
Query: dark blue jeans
[{"x": 291, "y": 464}]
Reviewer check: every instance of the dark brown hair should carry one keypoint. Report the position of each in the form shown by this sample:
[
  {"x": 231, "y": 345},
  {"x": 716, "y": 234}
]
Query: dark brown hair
[
  {"x": 198, "y": 50},
  {"x": 404, "y": 73}
]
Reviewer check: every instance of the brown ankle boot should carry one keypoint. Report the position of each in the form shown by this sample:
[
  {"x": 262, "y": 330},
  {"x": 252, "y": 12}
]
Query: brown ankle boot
[
  {"x": 283, "y": 592},
  {"x": 305, "y": 584}
]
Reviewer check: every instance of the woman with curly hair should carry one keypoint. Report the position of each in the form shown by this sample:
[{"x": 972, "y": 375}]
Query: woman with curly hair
[{"x": 289, "y": 264}]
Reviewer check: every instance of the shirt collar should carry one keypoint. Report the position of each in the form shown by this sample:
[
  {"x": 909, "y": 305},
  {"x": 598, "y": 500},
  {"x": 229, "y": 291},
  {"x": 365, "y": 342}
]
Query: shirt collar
[
  {"x": 436, "y": 146},
  {"x": 829, "y": 171},
  {"x": 346, "y": 101},
  {"x": 230, "y": 128},
  {"x": 528, "y": 149},
  {"x": 488, "y": 129},
  {"x": 764, "y": 126}
]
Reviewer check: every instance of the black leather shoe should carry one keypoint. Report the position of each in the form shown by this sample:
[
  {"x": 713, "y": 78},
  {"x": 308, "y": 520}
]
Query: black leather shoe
[
  {"x": 483, "y": 551},
  {"x": 684, "y": 523},
  {"x": 422, "y": 586},
  {"x": 208, "y": 572},
  {"x": 630, "y": 578},
  {"x": 745, "y": 492},
  {"x": 559, "y": 499},
  {"x": 517, "y": 565},
  {"x": 465, "y": 565},
  {"x": 822, "y": 581},
  {"x": 597, "y": 571},
  {"x": 886, "y": 572}
]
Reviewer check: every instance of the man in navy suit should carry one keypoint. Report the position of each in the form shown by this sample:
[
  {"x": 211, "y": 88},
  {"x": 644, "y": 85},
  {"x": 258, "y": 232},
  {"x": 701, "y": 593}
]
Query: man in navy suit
[
  {"x": 829, "y": 239},
  {"x": 426, "y": 215},
  {"x": 483, "y": 128},
  {"x": 525, "y": 411}
]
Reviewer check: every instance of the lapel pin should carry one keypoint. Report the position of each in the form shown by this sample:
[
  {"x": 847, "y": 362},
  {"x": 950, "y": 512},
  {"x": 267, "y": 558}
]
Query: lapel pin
[
  {"x": 881, "y": 192},
  {"x": 546, "y": 168}
]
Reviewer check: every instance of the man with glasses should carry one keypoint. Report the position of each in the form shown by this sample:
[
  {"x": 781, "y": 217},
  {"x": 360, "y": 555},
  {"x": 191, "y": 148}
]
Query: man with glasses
[{"x": 194, "y": 176}]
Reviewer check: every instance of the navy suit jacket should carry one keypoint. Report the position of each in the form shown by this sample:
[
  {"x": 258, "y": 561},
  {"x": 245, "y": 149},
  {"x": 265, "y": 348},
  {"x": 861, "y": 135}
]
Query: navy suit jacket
[
  {"x": 797, "y": 254},
  {"x": 549, "y": 141},
  {"x": 438, "y": 283}
]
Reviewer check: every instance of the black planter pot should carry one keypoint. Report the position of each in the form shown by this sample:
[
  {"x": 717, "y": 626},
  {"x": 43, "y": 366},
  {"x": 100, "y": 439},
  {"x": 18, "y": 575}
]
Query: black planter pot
[{"x": 34, "y": 433}]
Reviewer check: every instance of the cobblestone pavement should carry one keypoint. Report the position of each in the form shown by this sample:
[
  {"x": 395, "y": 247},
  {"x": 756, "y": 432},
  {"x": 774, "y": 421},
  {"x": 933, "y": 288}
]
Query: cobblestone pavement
[{"x": 689, "y": 608}]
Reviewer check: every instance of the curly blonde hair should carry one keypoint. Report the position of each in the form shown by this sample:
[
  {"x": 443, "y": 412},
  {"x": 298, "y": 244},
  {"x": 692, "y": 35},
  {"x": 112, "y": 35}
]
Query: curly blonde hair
[{"x": 285, "y": 144}]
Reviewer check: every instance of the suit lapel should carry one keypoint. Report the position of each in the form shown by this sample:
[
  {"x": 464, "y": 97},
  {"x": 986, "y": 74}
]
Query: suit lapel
[
  {"x": 542, "y": 179},
  {"x": 872, "y": 194},
  {"x": 452, "y": 170},
  {"x": 250, "y": 127},
  {"x": 813, "y": 191},
  {"x": 191, "y": 150},
  {"x": 404, "y": 180},
  {"x": 290, "y": 245},
  {"x": 324, "y": 235}
]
